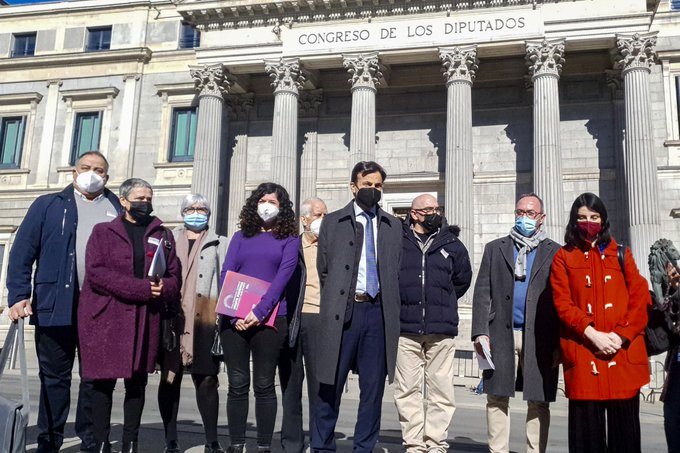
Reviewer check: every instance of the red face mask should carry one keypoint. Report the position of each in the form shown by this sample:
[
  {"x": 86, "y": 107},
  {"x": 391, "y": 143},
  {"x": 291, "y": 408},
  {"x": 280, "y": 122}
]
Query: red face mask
[{"x": 589, "y": 229}]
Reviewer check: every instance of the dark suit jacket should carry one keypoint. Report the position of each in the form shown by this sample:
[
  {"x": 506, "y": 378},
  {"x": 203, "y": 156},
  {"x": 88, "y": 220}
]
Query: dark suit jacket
[
  {"x": 340, "y": 242},
  {"x": 492, "y": 315}
]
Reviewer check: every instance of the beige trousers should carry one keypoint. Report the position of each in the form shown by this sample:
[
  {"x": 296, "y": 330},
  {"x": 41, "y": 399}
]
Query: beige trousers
[
  {"x": 498, "y": 416},
  {"x": 425, "y": 419}
]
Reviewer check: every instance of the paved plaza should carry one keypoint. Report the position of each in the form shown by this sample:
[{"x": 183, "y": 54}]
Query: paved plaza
[{"x": 467, "y": 434}]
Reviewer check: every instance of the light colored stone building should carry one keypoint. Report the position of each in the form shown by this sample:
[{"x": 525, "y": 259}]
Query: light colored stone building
[{"x": 475, "y": 101}]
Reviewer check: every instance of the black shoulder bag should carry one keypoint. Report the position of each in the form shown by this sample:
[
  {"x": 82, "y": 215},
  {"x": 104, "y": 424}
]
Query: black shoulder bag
[
  {"x": 657, "y": 331},
  {"x": 169, "y": 315}
]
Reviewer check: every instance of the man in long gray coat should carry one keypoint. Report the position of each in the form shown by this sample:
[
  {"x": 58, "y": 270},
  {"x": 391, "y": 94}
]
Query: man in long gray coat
[
  {"x": 358, "y": 264},
  {"x": 513, "y": 310}
]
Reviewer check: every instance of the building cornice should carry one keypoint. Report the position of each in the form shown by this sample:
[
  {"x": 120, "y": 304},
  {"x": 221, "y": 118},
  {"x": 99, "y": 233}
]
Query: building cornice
[
  {"x": 229, "y": 14},
  {"x": 136, "y": 54},
  {"x": 90, "y": 93},
  {"x": 20, "y": 98}
]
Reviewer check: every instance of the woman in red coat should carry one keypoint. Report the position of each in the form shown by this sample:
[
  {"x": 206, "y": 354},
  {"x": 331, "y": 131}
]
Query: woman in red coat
[{"x": 603, "y": 312}]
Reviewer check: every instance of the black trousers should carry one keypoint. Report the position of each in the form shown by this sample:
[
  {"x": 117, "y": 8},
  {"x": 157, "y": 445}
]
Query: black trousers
[
  {"x": 207, "y": 399},
  {"x": 56, "y": 350},
  {"x": 292, "y": 373},
  {"x": 671, "y": 402},
  {"x": 265, "y": 345},
  {"x": 611, "y": 426},
  {"x": 133, "y": 405}
]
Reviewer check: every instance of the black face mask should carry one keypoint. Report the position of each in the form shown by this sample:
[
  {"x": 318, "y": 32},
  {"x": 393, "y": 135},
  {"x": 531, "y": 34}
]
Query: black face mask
[
  {"x": 140, "y": 211},
  {"x": 432, "y": 222},
  {"x": 368, "y": 197}
]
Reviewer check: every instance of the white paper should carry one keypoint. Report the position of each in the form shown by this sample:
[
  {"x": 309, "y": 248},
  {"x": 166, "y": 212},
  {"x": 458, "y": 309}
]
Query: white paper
[{"x": 485, "y": 362}]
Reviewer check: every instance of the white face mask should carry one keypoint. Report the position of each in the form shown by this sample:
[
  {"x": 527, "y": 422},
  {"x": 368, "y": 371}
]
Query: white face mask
[
  {"x": 267, "y": 211},
  {"x": 90, "y": 182},
  {"x": 315, "y": 226}
]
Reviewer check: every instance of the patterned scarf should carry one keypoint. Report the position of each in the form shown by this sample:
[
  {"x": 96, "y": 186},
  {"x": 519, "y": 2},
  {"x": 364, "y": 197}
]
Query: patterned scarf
[{"x": 525, "y": 245}]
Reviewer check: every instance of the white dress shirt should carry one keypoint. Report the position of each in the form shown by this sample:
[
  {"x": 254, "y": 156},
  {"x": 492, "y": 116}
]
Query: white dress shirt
[{"x": 361, "y": 275}]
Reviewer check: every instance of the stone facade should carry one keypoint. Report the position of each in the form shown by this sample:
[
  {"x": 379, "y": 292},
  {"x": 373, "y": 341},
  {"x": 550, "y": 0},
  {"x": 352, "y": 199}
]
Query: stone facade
[{"x": 533, "y": 99}]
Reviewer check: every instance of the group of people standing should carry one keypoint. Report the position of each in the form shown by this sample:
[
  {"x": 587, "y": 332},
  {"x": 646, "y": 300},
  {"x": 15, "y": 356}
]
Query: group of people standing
[{"x": 358, "y": 291}]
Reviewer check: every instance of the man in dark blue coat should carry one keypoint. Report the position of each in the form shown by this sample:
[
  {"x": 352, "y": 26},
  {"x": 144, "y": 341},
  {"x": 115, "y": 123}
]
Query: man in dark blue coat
[
  {"x": 53, "y": 236},
  {"x": 435, "y": 272}
]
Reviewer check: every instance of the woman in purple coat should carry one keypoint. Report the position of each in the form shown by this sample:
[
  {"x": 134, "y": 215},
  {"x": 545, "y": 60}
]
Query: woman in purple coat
[
  {"x": 119, "y": 309},
  {"x": 266, "y": 247}
]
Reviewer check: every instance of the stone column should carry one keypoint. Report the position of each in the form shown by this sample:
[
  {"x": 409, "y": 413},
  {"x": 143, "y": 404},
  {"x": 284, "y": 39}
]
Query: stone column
[
  {"x": 47, "y": 139},
  {"x": 545, "y": 59},
  {"x": 120, "y": 159},
  {"x": 309, "y": 110},
  {"x": 366, "y": 74},
  {"x": 240, "y": 107},
  {"x": 615, "y": 84},
  {"x": 460, "y": 66},
  {"x": 287, "y": 79},
  {"x": 212, "y": 83},
  {"x": 637, "y": 57}
]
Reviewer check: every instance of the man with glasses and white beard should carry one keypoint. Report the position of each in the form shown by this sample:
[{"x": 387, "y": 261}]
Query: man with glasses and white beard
[{"x": 513, "y": 312}]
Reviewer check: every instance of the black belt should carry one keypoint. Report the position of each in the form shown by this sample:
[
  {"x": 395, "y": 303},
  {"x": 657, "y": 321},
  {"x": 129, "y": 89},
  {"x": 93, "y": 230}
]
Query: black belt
[{"x": 363, "y": 298}]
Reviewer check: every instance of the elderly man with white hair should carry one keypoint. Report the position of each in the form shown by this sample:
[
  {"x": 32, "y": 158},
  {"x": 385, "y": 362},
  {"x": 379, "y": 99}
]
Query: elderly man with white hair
[
  {"x": 201, "y": 252},
  {"x": 303, "y": 320}
]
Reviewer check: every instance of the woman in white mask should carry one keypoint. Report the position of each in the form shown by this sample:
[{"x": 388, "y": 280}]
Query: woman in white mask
[
  {"x": 201, "y": 252},
  {"x": 266, "y": 247}
]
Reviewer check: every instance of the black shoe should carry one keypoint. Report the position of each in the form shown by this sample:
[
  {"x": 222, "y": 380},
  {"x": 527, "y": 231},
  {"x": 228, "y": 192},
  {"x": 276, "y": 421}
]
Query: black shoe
[
  {"x": 129, "y": 447},
  {"x": 171, "y": 446},
  {"x": 102, "y": 447},
  {"x": 241, "y": 448},
  {"x": 214, "y": 447},
  {"x": 264, "y": 449}
]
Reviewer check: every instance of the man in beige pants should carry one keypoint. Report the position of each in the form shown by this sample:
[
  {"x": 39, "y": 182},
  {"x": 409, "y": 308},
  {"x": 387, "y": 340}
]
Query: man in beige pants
[
  {"x": 513, "y": 310},
  {"x": 435, "y": 271}
]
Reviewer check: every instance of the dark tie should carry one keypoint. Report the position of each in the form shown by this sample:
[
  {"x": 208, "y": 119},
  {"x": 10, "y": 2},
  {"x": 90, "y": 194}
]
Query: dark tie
[{"x": 371, "y": 267}]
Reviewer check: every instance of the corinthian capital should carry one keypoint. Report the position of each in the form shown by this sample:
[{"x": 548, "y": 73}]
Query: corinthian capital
[
  {"x": 286, "y": 74},
  {"x": 210, "y": 80},
  {"x": 636, "y": 51},
  {"x": 545, "y": 57},
  {"x": 364, "y": 68},
  {"x": 460, "y": 63},
  {"x": 240, "y": 106},
  {"x": 309, "y": 102}
]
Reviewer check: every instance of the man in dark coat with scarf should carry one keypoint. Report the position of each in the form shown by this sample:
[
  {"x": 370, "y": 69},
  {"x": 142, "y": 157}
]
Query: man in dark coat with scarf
[
  {"x": 435, "y": 272},
  {"x": 513, "y": 311},
  {"x": 358, "y": 264},
  {"x": 53, "y": 236}
]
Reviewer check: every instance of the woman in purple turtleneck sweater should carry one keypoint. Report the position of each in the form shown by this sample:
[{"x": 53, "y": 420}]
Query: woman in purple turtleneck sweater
[{"x": 266, "y": 247}]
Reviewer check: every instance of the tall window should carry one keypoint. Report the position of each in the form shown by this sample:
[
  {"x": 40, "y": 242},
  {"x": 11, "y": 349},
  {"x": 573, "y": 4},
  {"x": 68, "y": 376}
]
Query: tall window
[
  {"x": 183, "y": 135},
  {"x": 86, "y": 134},
  {"x": 189, "y": 37},
  {"x": 11, "y": 141},
  {"x": 98, "y": 38},
  {"x": 675, "y": 5},
  {"x": 24, "y": 45}
]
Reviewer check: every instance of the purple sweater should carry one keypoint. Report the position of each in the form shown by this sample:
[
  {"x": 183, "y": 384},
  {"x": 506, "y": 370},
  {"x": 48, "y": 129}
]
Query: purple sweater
[{"x": 267, "y": 258}]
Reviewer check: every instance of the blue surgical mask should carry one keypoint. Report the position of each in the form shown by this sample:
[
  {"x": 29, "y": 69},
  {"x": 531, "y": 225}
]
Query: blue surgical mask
[
  {"x": 525, "y": 226},
  {"x": 196, "y": 221}
]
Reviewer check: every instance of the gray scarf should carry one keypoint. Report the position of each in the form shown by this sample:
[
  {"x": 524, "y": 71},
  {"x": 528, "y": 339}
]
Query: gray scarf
[{"x": 525, "y": 245}]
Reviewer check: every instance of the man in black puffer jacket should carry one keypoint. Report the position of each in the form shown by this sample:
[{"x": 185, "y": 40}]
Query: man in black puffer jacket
[{"x": 435, "y": 272}]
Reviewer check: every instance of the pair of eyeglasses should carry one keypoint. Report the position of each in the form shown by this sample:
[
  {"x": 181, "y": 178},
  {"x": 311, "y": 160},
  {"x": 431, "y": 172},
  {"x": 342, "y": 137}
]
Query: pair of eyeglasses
[
  {"x": 531, "y": 213},
  {"x": 195, "y": 211},
  {"x": 428, "y": 211}
]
